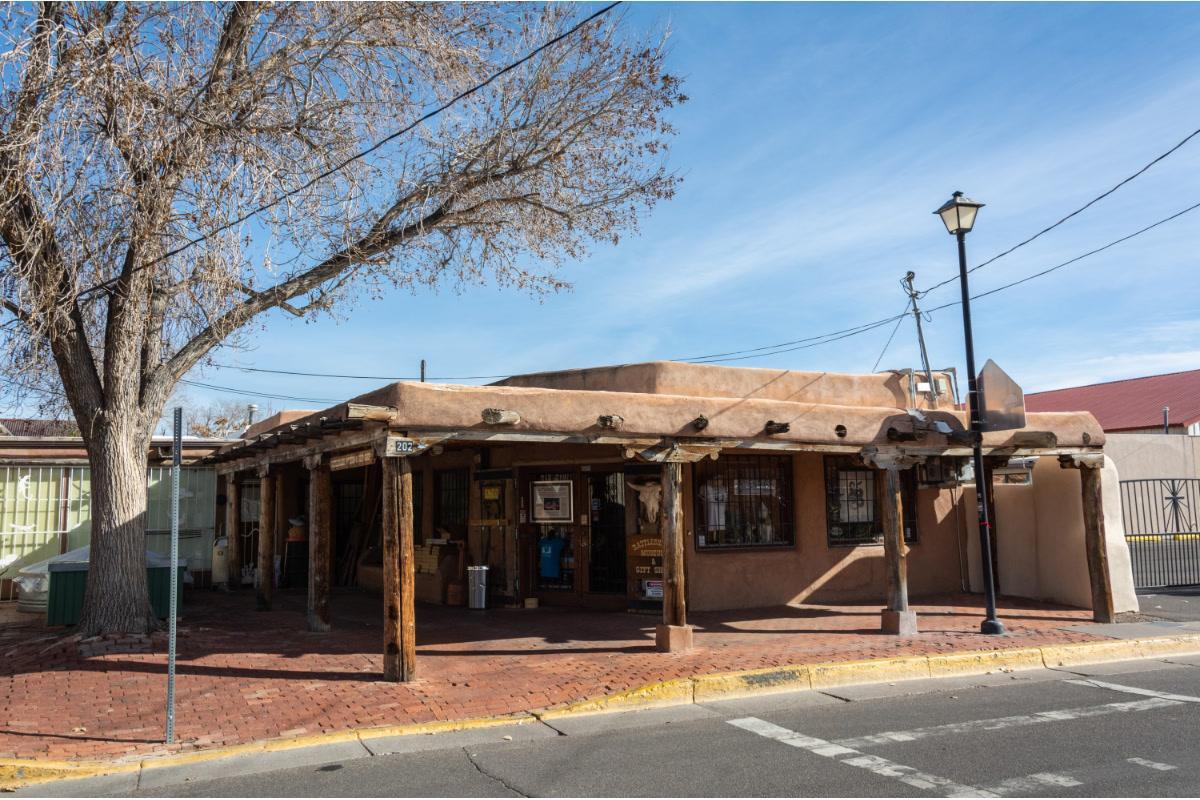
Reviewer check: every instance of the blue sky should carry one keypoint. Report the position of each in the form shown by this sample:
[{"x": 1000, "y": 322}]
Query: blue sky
[{"x": 817, "y": 141}]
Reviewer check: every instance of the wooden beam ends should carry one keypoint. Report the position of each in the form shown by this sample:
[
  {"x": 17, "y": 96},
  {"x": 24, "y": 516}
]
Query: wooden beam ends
[
  {"x": 369, "y": 413},
  {"x": 500, "y": 416}
]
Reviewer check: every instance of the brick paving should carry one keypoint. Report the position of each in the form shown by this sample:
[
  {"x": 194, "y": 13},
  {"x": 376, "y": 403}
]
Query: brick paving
[{"x": 245, "y": 675}]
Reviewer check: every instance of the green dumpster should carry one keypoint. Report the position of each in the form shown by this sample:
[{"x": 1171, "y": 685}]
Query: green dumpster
[{"x": 68, "y": 580}]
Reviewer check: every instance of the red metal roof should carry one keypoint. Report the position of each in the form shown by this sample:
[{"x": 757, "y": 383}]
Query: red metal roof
[{"x": 1129, "y": 404}]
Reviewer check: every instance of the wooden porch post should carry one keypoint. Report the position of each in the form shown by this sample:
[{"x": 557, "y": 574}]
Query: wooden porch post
[
  {"x": 897, "y": 619},
  {"x": 320, "y": 535},
  {"x": 674, "y": 634},
  {"x": 233, "y": 531},
  {"x": 399, "y": 623},
  {"x": 893, "y": 542},
  {"x": 266, "y": 537},
  {"x": 1094, "y": 536}
]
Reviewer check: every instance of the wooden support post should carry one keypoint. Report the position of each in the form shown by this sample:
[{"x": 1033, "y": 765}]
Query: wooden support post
[
  {"x": 399, "y": 623},
  {"x": 897, "y": 618},
  {"x": 320, "y": 538},
  {"x": 1096, "y": 544},
  {"x": 233, "y": 531},
  {"x": 893, "y": 542},
  {"x": 266, "y": 538},
  {"x": 673, "y": 634}
]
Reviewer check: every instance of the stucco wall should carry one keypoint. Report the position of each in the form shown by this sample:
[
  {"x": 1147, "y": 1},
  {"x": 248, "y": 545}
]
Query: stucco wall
[
  {"x": 811, "y": 570},
  {"x": 1040, "y": 540},
  {"x": 1154, "y": 455}
]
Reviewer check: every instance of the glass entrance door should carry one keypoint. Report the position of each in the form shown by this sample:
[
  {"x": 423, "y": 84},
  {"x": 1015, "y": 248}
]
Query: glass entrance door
[{"x": 607, "y": 514}]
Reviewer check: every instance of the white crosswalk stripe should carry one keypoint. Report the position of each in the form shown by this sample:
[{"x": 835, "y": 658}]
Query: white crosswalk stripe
[
  {"x": 1144, "y": 762},
  {"x": 1120, "y": 687},
  {"x": 1034, "y": 785},
  {"x": 876, "y": 764},
  {"x": 1000, "y": 723}
]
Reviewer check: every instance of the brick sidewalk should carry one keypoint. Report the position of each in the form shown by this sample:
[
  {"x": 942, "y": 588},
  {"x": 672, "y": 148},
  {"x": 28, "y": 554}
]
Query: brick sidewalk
[{"x": 245, "y": 676}]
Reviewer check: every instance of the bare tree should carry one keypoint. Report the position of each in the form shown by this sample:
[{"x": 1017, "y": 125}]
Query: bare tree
[
  {"x": 134, "y": 139},
  {"x": 224, "y": 418}
]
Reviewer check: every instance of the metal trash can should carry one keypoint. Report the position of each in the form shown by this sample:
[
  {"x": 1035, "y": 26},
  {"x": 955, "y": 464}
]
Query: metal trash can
[{"x": 477, "y": 587}]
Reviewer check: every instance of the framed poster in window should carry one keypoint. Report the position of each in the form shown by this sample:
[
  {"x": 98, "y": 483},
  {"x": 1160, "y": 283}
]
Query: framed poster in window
[{"x": 552, "y": 501}]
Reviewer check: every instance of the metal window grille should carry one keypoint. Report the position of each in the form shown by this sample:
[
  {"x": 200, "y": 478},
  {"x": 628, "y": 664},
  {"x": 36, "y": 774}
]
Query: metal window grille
[
  {"x": 452, "y": 499},
  {"x": 744, "y": 501},
  {"x": 853, "y": 493}
]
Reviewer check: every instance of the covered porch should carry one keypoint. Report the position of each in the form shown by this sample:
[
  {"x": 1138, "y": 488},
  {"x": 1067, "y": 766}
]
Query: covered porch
[{"x": 659, "y": 488}]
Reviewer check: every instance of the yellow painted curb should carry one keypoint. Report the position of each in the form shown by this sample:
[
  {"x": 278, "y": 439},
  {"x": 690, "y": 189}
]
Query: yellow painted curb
[
  {"x": 984, "y": 661},
  {"x": 444, "y": 726},
  {"x": 15, "y": 773},
  {"x": 1072, "y": 655},
  {"x": 677, "y": 691},
  {"x": 728, "y": 685},
  {"x": 844, "y": 673}
]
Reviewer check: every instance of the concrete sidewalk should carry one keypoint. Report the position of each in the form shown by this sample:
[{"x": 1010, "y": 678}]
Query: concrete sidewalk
[{"x": 246, "y": 678}]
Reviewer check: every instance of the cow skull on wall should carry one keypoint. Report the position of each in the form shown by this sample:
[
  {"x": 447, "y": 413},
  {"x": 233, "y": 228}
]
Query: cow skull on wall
[{"x": 649, "y": 499}]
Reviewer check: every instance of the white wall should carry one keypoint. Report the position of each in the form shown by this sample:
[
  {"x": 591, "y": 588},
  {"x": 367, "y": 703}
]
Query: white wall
[
  {"x": 1040, "y": 541},
  {"x": 1150, "y": 455}
]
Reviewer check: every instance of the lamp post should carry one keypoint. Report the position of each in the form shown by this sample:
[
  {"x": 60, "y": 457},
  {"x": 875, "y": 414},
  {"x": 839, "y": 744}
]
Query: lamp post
[{"x": 958, "y": 213}]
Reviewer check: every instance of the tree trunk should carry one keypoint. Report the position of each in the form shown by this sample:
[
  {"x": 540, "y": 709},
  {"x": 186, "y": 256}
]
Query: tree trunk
[{"x": 117, "y": 599}]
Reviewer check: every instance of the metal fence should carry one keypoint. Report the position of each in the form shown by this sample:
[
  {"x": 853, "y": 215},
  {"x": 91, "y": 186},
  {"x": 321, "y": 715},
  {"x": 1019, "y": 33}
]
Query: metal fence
[{"x": 1160, "y": 516}]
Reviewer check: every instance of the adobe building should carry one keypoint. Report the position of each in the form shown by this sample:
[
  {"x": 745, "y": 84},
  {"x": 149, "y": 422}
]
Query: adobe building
[{"x": 663, "y": 487}]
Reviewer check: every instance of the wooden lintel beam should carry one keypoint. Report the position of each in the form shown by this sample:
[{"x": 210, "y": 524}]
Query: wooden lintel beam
[
  {"x": 345, "y": 440},
  {"x": 1081, "y": 461}
]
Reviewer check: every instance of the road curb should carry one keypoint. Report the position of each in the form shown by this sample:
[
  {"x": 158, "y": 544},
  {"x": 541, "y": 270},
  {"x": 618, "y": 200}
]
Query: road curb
[
  {"x": 15, "y": 773},
  {"x": 674, "y": 692}
]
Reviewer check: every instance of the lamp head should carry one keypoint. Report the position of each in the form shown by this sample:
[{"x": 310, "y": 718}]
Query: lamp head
[{"x": 958, "y": 213}]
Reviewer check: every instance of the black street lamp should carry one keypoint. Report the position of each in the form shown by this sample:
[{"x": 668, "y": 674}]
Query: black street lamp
[{"x": 959, "y": 216}]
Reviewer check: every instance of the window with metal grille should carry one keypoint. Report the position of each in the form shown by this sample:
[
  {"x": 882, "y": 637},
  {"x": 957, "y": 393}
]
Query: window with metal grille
[
  {"x": 853, "y": 494},
  {"x": 451, "y": 490},
  {"x": 744, "y": 501}
]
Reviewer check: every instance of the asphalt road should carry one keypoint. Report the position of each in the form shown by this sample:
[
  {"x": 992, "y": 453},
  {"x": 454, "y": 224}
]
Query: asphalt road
[
  {"x": 1120, "y": 729},
  {"x": 1177, "y": 603}
]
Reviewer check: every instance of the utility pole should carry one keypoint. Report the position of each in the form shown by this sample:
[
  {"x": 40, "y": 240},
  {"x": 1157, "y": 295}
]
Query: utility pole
[{"x": 914, "y": 295}]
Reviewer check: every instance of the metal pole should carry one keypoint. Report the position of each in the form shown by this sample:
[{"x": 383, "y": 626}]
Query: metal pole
[
  {"x": 1166, "y": 419},
  {"x": 990, "y": 625},
  {"x": 912, "y": 294},
  {"x": 174, "y": 609},
  {"x": 422, "y": 370}
]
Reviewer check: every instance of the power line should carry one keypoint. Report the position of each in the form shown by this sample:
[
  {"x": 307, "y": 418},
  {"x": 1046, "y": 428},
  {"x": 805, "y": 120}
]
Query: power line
[
  {"x": 250, "y": 393},
  {"x": 719, "y": 356},
  {"x": 1048, "y": 270},
  {"x": 1079, "y": 210},
  {"x": 831, "y": 338},
  {"x": 355, "y": 377},
  {"x": 363, "y": 153},
  {"x": 32, "y": 388},
  {"x": 888, "y": 343}
]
